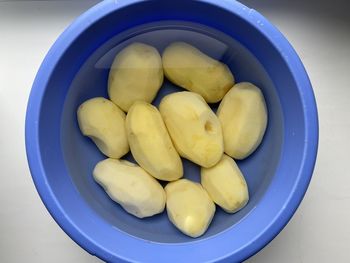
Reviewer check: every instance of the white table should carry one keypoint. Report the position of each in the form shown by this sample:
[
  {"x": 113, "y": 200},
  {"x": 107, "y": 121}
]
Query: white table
[{"x": 320, "y": 229}]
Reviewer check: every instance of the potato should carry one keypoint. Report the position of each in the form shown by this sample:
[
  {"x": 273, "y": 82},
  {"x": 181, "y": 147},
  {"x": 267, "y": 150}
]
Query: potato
[
  {"x": 189, "y": 207},
  {"x": 191, "y": 69},
  {"x": 243, "y": 118},
  {"x": 150, "y": 142},
  {"x": 193, "y": 127},
  {"x": 130, "y": 186},
  {"x": 102, "y": 121},
  {"x": 225, "y": 185},
  {"x": 136, "y": 74}
]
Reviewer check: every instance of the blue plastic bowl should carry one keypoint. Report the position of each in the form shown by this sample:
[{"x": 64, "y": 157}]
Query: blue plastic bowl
[{"x": 61, "y": 159}]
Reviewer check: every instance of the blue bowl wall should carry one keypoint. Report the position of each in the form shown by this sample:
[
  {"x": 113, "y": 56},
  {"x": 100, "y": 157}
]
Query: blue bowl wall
[{"x": 76, "y": 69}]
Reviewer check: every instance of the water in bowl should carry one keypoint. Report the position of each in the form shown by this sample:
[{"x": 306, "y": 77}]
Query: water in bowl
[{"x": 81, "y": 155}]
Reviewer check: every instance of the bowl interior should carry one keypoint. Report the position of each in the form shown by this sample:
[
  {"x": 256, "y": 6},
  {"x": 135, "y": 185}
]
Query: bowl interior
[
  {"x": 81, "y": 155},
  {"x": 81, "y": 73}
]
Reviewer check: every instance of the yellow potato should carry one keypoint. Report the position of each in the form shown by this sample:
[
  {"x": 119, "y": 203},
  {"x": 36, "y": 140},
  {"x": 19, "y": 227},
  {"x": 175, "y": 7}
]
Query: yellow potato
[
  {"x": 226, "y": 185},
  {"x": 193, "y": 127},
  {"x": 243, "y": 117},
  {"x": 189, "y": 68},
  {"x": 150, "y": 142},
  {"x": 189, "y": 207},
  {"x": 102, "y": 121},
  {"x": 136, "y": 74},
  {"x": 130, "y": 186}
]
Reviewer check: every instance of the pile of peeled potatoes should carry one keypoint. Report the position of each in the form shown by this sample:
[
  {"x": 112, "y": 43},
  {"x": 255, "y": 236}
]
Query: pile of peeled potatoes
[{"x": 183, "y": 126}]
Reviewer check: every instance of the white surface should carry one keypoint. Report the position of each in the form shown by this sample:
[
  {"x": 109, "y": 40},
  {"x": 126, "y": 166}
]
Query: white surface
[{"x": 319, "y": 231}]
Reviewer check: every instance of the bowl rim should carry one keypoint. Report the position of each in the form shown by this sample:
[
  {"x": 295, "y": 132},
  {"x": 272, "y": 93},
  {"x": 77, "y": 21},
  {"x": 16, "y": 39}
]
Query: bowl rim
[{"x": 280, "y": 220}]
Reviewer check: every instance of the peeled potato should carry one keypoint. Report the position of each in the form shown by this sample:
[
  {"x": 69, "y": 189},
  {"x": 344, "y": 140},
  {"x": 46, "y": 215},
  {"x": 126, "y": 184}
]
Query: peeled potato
[
  {"x": 136, "y": 74},
  {"x": 130, "y": 186},
  {"x": 225, "y": 185},
  {"x": 193, "y": 127},
  {"x": 193, "y": 70},
  {"x": 189, "y": 207},
  {"x": 102, "y": 121},
  {"x": 150, "y": 142},
  {"x": 243, "y": 117}
]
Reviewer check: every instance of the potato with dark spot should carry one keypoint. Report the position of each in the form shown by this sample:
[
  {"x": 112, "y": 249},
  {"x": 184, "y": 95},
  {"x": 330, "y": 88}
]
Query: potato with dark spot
[{"x": 193, "y": 127}]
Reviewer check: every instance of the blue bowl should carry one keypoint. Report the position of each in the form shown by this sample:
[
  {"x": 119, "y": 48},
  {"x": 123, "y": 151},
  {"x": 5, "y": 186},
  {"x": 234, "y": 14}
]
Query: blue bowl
[{"x": 76, "y": 68}]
